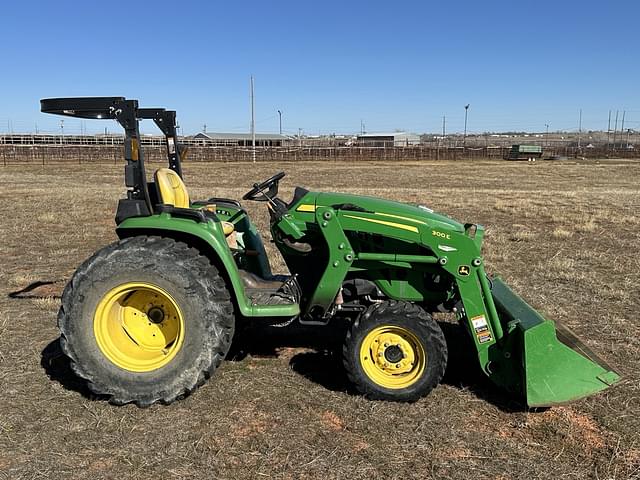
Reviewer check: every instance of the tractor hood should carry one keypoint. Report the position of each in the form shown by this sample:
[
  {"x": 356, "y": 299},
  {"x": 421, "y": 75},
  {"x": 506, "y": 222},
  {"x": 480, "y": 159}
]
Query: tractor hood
[{"x": 389, "y": 209}]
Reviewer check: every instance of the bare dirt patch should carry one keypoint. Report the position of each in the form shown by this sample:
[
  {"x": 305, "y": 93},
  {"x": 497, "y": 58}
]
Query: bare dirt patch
[{"x": 332, "y": 421}]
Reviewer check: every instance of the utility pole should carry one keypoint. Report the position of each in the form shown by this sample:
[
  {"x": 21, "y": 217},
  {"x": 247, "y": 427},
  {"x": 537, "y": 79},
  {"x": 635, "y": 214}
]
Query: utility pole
[
  {"x": 300, "y": 137},
  {"x": 253, "y": 125},
  {"x": 464, "y": 138},
  {"x": 615, "y": 131},
  {"x": 609, "y": 131},
  {"x": 280, "y": 115},
  {"x": 546, "y": 137},
  {"x": 579, "y": 129},
  {"x": 622, "y": 127},
  {"x": 444, "y": 131},
  {"x": 362, "y": 132},
  {"x": 61, "y": 132}
]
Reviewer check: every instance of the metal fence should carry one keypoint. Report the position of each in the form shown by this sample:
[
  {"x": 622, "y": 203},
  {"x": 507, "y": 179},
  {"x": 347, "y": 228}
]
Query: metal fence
[{"x": 58, "y": 154}]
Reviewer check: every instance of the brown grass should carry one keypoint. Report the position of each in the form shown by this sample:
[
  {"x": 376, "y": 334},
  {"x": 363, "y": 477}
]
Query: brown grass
[{"x": 565, "y": 235}]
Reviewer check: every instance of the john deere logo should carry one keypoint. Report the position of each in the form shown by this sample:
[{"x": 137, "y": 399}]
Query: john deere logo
[{"x": 463, "y": 270}]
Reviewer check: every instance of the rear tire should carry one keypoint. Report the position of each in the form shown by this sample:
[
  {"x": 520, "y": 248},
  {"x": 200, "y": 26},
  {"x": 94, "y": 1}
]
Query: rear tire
[
  {"x": 186, "y": 332},
  {"x": 395, "y": 351}
]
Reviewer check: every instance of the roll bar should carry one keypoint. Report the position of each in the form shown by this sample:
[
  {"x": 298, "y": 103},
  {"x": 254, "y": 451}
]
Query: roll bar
[{"x": 127, "y": 114}]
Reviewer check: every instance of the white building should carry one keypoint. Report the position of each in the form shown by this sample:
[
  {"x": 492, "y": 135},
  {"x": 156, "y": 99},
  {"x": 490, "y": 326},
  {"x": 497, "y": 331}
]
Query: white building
[{"x": 395, "y": 139}]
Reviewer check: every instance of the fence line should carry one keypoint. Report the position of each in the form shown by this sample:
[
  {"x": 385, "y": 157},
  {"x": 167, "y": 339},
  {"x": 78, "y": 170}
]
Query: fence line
[{"x": 56, "y": 154}]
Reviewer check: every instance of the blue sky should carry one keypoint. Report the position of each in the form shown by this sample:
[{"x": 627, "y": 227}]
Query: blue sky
[{"x": 327, "y": 65}]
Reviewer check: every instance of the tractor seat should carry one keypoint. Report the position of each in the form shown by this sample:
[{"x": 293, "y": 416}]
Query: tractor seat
[{"x": 172, "y": 191}]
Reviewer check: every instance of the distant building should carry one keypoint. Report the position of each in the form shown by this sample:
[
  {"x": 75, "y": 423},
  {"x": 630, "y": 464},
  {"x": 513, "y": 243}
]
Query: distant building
[
  {"x": 395, "y": 139},
  {"x": 241, "y": 139}
]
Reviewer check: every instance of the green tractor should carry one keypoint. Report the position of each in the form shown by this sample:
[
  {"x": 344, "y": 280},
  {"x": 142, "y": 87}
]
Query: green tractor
[{"x": 149, "y": 318}]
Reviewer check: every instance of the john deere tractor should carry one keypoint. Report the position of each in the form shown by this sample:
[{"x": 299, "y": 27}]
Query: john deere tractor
[{"x": 150, "y": 317}]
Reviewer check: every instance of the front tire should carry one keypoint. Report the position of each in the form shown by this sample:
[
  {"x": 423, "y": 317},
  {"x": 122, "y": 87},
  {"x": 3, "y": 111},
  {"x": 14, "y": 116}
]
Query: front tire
[
  {"x": 395, "y": 351},
  {"x": 146, "y": 320}
]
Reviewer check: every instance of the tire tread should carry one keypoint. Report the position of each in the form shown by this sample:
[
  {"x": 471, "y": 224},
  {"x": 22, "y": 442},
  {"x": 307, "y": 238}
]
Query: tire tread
[
  {"x": 380, "y": 313},
  {"x": 181, "y": 254}
]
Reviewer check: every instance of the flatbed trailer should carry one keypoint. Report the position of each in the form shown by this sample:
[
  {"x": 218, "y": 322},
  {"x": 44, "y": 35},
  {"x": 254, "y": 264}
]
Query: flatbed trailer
[{"x": 524, "y": 152}]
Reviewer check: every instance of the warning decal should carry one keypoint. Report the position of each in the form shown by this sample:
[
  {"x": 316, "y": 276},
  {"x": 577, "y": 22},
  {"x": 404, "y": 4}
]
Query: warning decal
[
  {"x": 484, "y": 338},
  {"x": 481, "y": 329}
]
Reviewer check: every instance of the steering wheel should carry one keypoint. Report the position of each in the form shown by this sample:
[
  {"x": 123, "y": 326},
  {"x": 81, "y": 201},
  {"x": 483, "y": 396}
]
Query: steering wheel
[{"x": 258, "y": 194}]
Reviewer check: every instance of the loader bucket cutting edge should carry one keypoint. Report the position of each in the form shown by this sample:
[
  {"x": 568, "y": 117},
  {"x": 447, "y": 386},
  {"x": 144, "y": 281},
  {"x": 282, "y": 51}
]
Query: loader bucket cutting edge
[{"x": 556, "y": 367}]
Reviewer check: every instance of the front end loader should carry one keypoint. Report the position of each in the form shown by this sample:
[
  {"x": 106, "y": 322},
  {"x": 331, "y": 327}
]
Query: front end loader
[{"x": 149, "y": 318}]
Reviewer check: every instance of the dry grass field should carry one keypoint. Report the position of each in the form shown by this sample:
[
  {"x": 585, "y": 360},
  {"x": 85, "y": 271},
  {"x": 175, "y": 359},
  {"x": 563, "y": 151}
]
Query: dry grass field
[{"x": 565, "y": 235}]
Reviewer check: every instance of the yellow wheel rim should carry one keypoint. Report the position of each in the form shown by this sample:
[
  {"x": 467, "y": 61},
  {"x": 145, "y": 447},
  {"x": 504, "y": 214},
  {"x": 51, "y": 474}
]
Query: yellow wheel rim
[
  {"x": 393, "y": 357},
  {"x": 138, "y": 327}
]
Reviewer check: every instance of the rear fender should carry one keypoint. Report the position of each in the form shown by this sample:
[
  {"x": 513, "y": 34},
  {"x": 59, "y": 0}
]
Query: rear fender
[{"x": 209, "y": 239}]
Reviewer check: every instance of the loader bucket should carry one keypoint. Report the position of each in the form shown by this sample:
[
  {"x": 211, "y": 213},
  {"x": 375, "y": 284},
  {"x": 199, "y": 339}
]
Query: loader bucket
[{"x": 556, "y": 367}]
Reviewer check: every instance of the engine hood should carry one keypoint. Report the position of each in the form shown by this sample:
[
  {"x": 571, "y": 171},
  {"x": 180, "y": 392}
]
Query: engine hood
[{"x": 391, "y": 209}]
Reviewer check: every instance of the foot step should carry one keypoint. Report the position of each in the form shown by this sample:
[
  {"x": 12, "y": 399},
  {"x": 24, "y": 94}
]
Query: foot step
[{"x": 279, "y": 290}]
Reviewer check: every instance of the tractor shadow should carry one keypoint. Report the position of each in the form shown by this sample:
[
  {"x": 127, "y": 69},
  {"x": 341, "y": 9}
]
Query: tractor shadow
[
  {"x": 312, "y": 351},
  {"x": 321, "y": 358},
  {"x": 315, "y": 352},
  {"x": 464, "y": 373},
  {"x": 58, "y": 368},
  {"x": 52, "y": 359}
]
